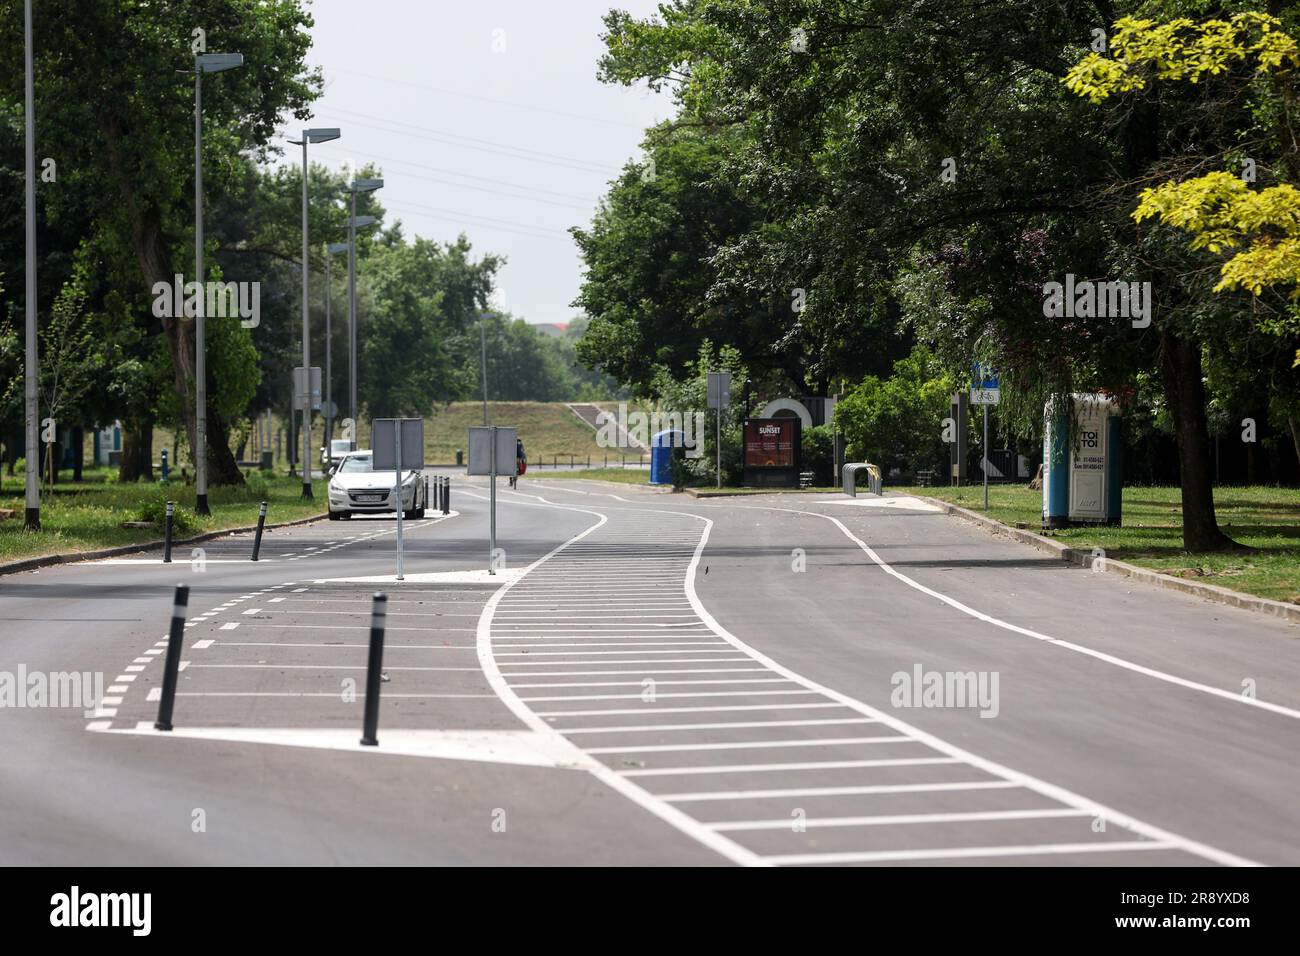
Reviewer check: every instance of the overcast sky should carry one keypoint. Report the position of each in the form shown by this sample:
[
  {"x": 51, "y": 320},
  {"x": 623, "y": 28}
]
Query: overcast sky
[{"x": 487, "y": 119}]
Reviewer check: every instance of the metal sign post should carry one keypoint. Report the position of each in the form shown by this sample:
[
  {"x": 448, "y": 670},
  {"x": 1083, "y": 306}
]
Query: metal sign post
[
  {"x": 490, "y": 448},
  {"x": 400, "y": 448},
  {"x": 719, "y": 386},
  {"x": 986, "y": 393},
  {"x": 397, "y": 492},
  {"x": 492, "y": 532}
]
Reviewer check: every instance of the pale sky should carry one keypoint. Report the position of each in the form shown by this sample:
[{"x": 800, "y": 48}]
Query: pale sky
[{"x": 487, "y": 118}]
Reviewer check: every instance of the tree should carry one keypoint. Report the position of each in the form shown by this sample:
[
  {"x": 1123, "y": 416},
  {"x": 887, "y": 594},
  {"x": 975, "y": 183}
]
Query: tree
[
  {"x": 891, "y": 421},
  {"x": 924, "y": 171},
  {"x": 116, "y": 107},
  {"x": 419, "y": 329}
]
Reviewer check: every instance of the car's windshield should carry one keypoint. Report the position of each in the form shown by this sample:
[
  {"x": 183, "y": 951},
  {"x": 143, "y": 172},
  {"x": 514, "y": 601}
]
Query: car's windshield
[{"x": 355, "y": 464}]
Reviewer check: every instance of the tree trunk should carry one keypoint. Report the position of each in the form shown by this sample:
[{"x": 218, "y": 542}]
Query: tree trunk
[
  {"x": 137, "y": 452},
  {"x": 78, "y": 451},
  {"x": 150, "y": 246},
  {"x": 1180, "y": 365},
  {"x": 128, "y": 467},
  {"x": 1295, "y": 435}
]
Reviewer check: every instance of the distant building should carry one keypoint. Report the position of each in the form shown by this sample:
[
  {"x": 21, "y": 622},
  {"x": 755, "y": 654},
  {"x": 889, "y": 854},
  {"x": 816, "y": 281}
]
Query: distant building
[{"x": 553, "y": 329}]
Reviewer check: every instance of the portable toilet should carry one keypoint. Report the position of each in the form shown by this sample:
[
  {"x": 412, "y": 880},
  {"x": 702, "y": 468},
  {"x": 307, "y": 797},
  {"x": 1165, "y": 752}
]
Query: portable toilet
[
  {"x": 662, "y": 448},
  {"x": 1082, "y": 478}
]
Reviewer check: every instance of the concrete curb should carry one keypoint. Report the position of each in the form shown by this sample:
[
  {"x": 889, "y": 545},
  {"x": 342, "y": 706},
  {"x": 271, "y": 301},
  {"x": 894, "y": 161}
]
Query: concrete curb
[
  {"x": 73, "y": 557},
  {"x": 706, "y": 493},
  {"x": 1084, "y": 559}
]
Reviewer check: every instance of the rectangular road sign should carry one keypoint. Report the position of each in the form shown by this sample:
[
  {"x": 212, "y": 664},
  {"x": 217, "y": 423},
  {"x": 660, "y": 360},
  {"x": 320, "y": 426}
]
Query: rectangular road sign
[
  {"x": 985, "y": 396},
  {"x": 383, "y": 442},
  {"x": 300, "y": 389},
  {"x": 480, "y": 450},
  {"x": 719, "y": 389}
]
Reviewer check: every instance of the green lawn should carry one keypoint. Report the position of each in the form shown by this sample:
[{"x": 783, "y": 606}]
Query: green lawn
[
  {"x": 548, "y": 429},
  {"x": 1266, "y": 519},
  {"x": 625, "y": 476},
  {"x": 88, "y": 516}
]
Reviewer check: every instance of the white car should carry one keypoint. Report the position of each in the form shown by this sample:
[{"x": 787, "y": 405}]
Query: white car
[
  {"x": 356, "y": 488},
  {"x": 334, "y": 451}
]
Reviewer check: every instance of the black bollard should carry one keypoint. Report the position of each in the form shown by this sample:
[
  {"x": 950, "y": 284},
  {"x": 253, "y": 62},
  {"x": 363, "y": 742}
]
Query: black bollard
[
  {"x": 446, "y": 495},
  {"x": 374, "y": 669},
  {"x": 172, "y": 664},
  {"x": 257, "y": 539},
  {"x": 167, "y": 533}
]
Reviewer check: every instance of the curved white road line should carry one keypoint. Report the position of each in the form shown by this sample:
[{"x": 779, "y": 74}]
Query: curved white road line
[
  {"x": 642, "y": 798},
  {"x": 1091, "y": 807},
  {"x": 1036, "y": 635},
  {"x": 714, "y": 839}
]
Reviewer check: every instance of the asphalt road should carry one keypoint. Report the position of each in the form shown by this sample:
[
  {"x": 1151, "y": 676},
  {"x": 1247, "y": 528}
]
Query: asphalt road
[{"x": 650, "y": 679}]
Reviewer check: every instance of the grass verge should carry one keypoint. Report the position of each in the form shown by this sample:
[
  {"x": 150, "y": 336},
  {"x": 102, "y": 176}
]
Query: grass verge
[
  {"x": 88, "y": 516},
  {"x": 1265, "y": 519}
]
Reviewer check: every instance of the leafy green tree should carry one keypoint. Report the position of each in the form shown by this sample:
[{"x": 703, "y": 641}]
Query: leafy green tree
[
  {"x": 895, "y": 422},
  {"x": 419, "y": 328},
  {"x": 116, "y": 107}
]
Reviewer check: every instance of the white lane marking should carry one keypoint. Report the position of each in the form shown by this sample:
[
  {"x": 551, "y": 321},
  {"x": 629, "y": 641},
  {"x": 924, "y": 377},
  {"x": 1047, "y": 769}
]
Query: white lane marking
[
  {"x": 497, "y": 746},
  {"x": 202, "y": 645},
  {"x": 117, "y": 689},
  {"x": 253, "y": 610},
  {"x": 969, "y": 852},
  {"x": 750, "y": 745},
  {"x": 1233, "y": 696},
  {"x": 647, "y": 672},
  {"x": 719, "y": 693},
  {"x": 142, "y": 660},
  {"x": 275, "y": 600},
  {"x": 153, "y": 696},
  {"x": 804, "y": 765},
  {"x": 714, "y": 795},
  {"x": 329, "y": 667},
  {"x": 110, "y": 701},
  {"x": 685, "y": 823},
  {"x": 899, "y": 819},
  {"x": 153, "y": 652},
  {"x": 133, "y": 668},
  {"x": 1053, "y": 791},
  {"x": 637, "y": 683},
  {"x": 635, "y": 728},
  {"x": 389, "y": 647},
  {"x": 298, "y": 590},
  {"x": 229, "y": 626},
  {"x": 124, "y": 678},
  {"x": 649, "y": 710},
  {"x": 335, "y": 694},
  {"x": 904, "y": 503}
]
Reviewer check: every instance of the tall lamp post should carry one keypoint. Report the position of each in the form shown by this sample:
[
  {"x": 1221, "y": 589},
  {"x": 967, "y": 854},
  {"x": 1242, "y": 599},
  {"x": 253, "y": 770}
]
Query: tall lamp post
[
  {"x": 355, "y": 222},
  {"x": 482, "y": 341},
  {"x": 32, "y": 514},
  {"x": 203, "y": 63},
  {"x": 319, "y": 135},
  {"x": 330, "y": 251}
]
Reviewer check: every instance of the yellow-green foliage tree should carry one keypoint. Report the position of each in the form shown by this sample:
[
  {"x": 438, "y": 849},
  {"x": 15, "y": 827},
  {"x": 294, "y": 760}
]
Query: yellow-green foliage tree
[{"x": 1220, "y": 210}]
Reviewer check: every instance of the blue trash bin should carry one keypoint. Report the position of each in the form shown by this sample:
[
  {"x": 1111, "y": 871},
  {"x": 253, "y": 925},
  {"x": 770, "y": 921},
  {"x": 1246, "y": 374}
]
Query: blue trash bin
[{"x": 662, "y": 448}]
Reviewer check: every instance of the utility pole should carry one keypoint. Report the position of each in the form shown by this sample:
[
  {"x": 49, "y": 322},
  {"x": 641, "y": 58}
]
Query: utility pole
[
  {"x": 482, "y": 335},
  {"x": 32, "y": 516}
]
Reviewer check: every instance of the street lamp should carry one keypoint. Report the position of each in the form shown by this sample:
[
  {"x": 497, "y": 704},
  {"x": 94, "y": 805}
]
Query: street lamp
[
  {"x": 330, "y": 251},
  {"x": 482, "y": 341},
  {"x": 203, "y": 63},
  {"x": 32, "y": 515},
  {"x": 355, "y": 222},
  {"x": 321, "y": 135}
]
